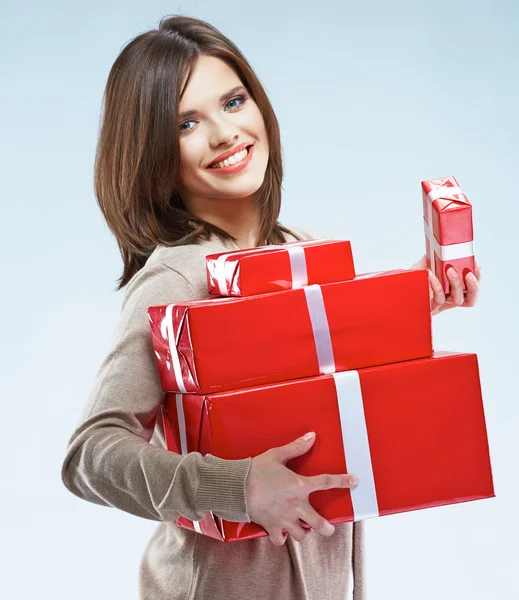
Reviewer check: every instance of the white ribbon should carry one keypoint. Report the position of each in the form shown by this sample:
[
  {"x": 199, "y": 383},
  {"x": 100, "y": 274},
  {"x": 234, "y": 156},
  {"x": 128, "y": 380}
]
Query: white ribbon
[
  {"x": 447, "y": 253},
  {"x": 222, "y": 269},
  {"x": 443, "y": 191},
  {"x": 196, "y": 525},
  {"x": 356, "y": 444},
  {"x": 181, "y": 424},
  {"x": 320, "y": 328},
  {"x": 219, "y": 273},
  {"x": 177, "y": 370},
  {"x": 298, "y": 266}
]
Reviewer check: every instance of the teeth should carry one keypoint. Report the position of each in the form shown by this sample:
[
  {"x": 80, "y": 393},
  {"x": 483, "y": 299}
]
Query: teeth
[{"x": 232, "y": 160}]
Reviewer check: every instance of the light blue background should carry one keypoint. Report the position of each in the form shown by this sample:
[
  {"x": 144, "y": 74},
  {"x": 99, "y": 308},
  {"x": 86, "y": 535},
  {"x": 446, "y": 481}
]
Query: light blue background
[{"x": 372, "y": 98}]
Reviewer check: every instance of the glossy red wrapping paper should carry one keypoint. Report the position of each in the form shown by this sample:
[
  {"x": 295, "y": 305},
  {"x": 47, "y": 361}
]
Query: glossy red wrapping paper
[
  {"x": 448, "y": 218},
  {"x": 279, "y": 267},
  {"x": 221, "y": 344},
  {"x": 424, "y": 421}
]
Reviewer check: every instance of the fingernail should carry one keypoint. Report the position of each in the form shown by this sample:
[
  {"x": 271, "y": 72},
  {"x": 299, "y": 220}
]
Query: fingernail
[
  {"x": 353, "y": 480},
  {"x": 330, "y": 528},
  {"x": 433, "y": 280},
  {"x": 472, "y": 278},
  {"x": 453, "y": 273},
  {"x": 309, "y": 436}
]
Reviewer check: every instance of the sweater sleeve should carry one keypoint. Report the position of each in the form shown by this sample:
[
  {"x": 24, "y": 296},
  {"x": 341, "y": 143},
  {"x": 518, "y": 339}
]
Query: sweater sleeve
[{"x": 109, "y": 459}]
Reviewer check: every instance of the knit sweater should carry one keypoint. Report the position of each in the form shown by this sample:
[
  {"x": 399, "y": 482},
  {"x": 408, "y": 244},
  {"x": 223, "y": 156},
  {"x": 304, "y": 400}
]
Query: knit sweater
[{"x": 117, "y": 457}]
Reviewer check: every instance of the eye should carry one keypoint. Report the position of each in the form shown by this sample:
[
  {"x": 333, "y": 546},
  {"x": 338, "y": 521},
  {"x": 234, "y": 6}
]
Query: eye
[
  {"x": 242, "y": 98},
  {"x": 184, "y": 123}
]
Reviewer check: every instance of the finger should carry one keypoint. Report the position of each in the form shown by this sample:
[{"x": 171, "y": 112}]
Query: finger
[
  {"x": 277, "y": 536},
  {"x": 295, "y": 448},
  {"x": 297, "y": 532},
  {"x": 437, "y": 293},
  {"x": 327, "y": 481},
  {"x": 472, "y": 290},
  {"x": 456, "y": 287},
  {"x": 316, "y": 521}
]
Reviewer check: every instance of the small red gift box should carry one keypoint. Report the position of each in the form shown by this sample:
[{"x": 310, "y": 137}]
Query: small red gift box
[
  {"x": 413, "y": 433},
  {"x": 219, "y": 344},
  {"x": 279, "y": 267},
  {"x": 449, "y": 236}
]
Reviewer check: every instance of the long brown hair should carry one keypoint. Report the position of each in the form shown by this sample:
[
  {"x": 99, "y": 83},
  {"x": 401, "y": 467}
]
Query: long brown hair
[{"x": 138, "y": 152}]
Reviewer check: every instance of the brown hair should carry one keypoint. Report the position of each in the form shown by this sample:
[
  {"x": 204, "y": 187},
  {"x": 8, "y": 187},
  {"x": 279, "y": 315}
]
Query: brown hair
[{"x": 138, "y": 152}]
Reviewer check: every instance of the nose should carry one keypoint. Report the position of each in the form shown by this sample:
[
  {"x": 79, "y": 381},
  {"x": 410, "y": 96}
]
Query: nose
[{"x": 223, "y": 134}]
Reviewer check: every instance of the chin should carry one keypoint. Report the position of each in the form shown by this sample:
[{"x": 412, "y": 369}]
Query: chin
[
  {"x": 243, "y": 191},
  {"x": 242, "y": 187},
  {"x": 249, "y": 185}
]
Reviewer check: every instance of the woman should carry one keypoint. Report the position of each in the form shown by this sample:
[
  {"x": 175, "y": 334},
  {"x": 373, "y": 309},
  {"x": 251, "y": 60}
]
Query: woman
[{"x": 179, "y": 100}]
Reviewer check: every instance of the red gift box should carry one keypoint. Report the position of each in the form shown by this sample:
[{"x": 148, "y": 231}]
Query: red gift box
[
  {"x": 413, "y": 433},
  {"x": 213, "y": 345},
  {"x": 449, "y": 237},
  {"x": 274, "y": 268}
]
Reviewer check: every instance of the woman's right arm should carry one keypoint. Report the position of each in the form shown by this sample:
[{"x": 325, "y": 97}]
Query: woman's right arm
[{"x": 109, "y": 460}]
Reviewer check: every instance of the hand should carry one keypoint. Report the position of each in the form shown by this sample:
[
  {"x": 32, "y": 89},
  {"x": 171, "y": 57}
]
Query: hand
[
  {"x": 456, "y": 296},
  {"x": 277, "y": 498}
]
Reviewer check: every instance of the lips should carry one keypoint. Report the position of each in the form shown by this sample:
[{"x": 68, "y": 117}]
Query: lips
[
  {"x": 229, "y": 153},
  {"x": 237, "y": 167}
]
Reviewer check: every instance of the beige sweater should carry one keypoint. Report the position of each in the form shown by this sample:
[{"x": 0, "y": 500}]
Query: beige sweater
[{"x": 117, "y": 457}]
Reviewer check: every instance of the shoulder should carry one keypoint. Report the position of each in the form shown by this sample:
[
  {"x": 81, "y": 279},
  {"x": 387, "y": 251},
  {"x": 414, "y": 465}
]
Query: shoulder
[
  {"x": 180, "y": 258},
  {"x": 154, "y": 285},
  {"x": 173, "y": 274}
]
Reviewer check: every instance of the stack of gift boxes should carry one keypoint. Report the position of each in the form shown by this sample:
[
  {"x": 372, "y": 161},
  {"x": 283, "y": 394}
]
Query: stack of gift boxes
[{"x": 294, "y": 341}]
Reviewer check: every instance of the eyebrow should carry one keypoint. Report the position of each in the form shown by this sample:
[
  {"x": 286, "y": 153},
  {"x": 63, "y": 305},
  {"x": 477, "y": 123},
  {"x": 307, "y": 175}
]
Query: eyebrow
[{"x": 189, "y": 113}]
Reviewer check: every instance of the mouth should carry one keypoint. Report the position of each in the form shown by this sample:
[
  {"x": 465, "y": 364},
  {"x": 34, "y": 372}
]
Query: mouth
[
  {"x": 226, "y": 168},
  {"x": 242, "y": 155}
]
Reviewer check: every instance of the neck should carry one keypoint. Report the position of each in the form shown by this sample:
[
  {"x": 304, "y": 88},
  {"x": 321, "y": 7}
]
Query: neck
[{"x": 237, "y": 216}]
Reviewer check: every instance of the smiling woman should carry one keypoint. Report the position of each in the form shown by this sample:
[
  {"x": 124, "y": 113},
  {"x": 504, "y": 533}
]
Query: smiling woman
[
  {"x": 223, "y": 121},
  {"x": 151, "y": 180},
  {"x": 189, "y": 164}
]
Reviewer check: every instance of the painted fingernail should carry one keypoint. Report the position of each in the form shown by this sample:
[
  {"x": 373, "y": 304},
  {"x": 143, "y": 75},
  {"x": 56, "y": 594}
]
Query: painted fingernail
[{"x": 472, "y": 278}]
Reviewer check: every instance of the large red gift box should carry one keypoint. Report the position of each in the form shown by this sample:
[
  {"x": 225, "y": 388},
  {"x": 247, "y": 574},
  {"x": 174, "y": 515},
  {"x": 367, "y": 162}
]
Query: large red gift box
[
  {"x": 213, "y": 345},
  {"x": 279, "y": 267},
  {"x": 413, "y": 433},
  {"x": 449, "y": 237}
]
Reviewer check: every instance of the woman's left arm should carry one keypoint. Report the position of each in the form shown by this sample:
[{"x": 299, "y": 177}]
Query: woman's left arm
[{"x": 456, "y": 297}]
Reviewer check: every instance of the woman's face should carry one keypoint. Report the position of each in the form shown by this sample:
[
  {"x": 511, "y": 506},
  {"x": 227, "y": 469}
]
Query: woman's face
[{"x": 225, "y": 119}]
